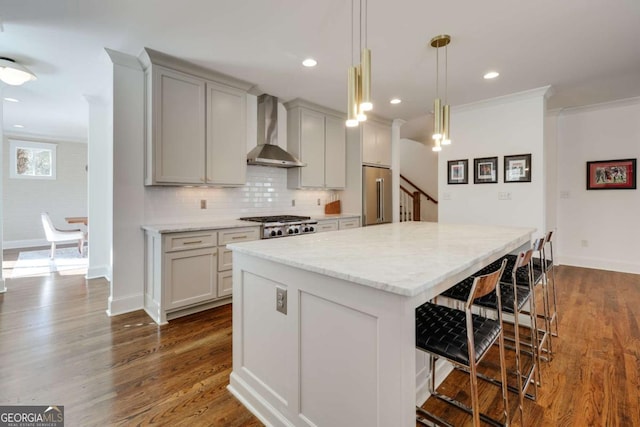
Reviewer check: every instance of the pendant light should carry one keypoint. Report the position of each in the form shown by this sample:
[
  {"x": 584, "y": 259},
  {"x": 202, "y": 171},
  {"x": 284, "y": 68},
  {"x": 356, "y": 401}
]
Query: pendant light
[
  {"x": 359, "y": 76},
  {"x": 441, "y": 112},
  {"x": 13, "y": 73}
]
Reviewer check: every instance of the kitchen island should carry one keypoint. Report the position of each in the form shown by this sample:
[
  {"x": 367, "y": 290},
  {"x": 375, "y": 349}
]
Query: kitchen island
[{"x": 324, "y": 324}]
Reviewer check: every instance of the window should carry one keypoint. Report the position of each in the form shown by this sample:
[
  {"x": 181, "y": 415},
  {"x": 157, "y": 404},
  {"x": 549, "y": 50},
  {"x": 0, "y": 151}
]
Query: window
[{"x": 32, "y": 160}]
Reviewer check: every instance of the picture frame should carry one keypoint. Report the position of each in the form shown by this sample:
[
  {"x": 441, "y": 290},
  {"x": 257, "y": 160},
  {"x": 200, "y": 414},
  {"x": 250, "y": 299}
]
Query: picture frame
[
  {"x": 517, "y": 168},
  {"x": 485, "y": 170},
  {"x": 611, "y": 174},
  {"x": 458, "y": 171}
]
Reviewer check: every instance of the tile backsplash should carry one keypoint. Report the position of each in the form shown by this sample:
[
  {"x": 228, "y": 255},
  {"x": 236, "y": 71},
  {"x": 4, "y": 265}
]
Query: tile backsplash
[{"x": 265, "y": 193}]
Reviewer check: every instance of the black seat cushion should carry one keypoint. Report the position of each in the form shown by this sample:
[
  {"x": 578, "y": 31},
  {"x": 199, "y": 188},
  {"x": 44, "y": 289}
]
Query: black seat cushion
[
  {"x": 522, "y": 273},
  {"x": 461, "y": 290},
  {"x": 537, "y": 263},
  {"x": 442, "y": 331}
]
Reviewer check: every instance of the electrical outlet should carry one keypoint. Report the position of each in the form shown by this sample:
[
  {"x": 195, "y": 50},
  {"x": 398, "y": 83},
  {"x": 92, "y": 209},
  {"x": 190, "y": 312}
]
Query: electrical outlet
[
  {"x": 281, "y": 300},
  {"x": 293, "y": 202},
  {"x": 565, "y": 195},
  {"x": 584, "y": 243},
  {"x": 504, "y": 195},
  {"x": 203, "y": 204}
]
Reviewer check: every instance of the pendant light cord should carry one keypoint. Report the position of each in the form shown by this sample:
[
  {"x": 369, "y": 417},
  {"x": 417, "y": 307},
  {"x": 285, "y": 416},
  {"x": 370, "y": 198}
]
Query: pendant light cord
[{"x": 446, "y": 74}]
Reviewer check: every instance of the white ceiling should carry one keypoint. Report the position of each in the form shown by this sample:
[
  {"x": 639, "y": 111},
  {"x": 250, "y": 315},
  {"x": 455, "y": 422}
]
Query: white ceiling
[{"x": 589, "y": 51}]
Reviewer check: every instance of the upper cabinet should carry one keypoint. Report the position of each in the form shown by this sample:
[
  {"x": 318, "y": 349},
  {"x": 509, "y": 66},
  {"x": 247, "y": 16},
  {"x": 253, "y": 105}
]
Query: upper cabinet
[
  {"x": 196, "y": 124},
  {"x": 376, "y": 143},
  {"x": 317, "y": 136}
]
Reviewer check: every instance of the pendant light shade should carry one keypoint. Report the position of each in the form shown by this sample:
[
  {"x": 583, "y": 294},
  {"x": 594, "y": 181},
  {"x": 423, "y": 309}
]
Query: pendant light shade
[
  {"x": 13, "y": 73},
  {"x": 359, "y": 76},
  {"x": 441, "y": 111},
  {"x": 365, "y": 80},
  {"x": 352, "y": 107}
]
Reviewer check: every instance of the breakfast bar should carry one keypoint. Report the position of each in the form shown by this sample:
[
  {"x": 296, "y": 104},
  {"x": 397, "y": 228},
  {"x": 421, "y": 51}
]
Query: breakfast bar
[{"x": 324, "y": 324}]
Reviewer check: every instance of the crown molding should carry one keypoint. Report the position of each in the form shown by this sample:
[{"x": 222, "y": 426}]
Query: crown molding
[
  {"x": 624, "y": 102},
  {"x": 42, "y": 138},
  {"x": 544, "y": 91}
]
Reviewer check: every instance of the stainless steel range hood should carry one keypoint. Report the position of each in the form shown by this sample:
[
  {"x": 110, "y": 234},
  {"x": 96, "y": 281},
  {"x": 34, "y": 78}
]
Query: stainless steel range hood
[{"x": 268, "y": 153}]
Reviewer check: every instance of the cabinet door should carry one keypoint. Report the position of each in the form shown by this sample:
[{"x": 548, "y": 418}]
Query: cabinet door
[
  {"x": 225, "y": 283},
  {"x": 383, "y": 143},
  {"x": 376, "y": 144},
  {"x": 178, "y": 130},
  {"x": 335, "y": 153},
  {"x": 226, "y": 135},
  {"x": 312, "y": 148},
  {"x": 190, "y": 277}
]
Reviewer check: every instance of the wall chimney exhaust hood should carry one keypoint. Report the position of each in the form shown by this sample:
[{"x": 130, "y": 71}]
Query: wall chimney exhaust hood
[{"x": 268, "y": 153}]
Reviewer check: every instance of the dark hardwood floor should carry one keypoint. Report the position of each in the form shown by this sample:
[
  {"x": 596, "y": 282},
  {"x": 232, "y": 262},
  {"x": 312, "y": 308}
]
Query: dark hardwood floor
[{"x": 57, "y": 346}]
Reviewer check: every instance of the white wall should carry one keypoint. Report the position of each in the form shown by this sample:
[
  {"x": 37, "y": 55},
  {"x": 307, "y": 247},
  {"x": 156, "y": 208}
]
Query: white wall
[
  {"x": 419, "y": 164},
  {"x": 502, "y": 126},
  {"x": 25, "y": 199},
  {"x": 606, "y": 220}
]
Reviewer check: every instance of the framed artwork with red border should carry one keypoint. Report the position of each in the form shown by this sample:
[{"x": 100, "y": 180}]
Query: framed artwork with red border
[{"x": 611, "y": 175}]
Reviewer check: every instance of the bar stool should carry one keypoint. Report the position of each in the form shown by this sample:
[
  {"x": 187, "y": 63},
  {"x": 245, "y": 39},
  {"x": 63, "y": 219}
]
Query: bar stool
[
  {"x": 545, "y": 264},
  {"x": 464, "y": 339},
  {"x": 515, "y": 299}
]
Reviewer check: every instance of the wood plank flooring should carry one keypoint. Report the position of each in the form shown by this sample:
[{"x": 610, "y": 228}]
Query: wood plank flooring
[{"x": 58, "y": 346}]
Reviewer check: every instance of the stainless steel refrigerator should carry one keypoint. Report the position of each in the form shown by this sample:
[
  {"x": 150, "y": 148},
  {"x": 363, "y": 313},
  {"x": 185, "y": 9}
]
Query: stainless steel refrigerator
[{"x": 376, "y": 195}]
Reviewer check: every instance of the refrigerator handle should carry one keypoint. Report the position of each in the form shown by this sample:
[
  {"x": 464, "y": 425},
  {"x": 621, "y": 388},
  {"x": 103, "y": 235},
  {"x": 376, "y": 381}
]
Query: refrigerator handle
[
  {"x": 381, "y": 200},
  {"x": 379, "y": 195}
]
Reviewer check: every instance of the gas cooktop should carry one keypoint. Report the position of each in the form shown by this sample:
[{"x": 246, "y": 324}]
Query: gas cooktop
[
  {"x": 276, "y": 218},
  {"x": 283, "y": 225}
]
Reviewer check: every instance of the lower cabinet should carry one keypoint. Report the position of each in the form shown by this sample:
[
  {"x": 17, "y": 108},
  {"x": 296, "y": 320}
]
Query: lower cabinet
[
  {"x": 187, "y": 272},
  {"x": 337, "y": 224}
]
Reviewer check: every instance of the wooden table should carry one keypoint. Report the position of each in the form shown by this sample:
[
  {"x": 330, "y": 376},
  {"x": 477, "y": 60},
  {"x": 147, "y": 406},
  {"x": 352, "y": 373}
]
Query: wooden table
[{"x": 77, "y": 220}]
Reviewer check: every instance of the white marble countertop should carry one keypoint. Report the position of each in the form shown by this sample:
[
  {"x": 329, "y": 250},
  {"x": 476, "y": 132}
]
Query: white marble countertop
[
  {"x": 226, "y": 223},
  {"x": 198, "y": 226},
  {"x": 403, "y": 258}
]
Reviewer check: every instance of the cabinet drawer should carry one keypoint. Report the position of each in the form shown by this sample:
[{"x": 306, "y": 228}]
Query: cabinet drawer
[
  {"x": 190, "y": 240},
  {"x": 225, "y": 259},
  {"x": 225, "y": 283},
  {"x": 349, "y": 223},
  {"x": 233, "y": 235},
  {"x": 331, "y": 225}
]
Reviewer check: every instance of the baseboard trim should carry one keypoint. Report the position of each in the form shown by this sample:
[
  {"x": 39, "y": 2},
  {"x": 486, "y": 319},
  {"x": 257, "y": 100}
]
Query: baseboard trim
[
  {"x": 3, "y": 288},
  {"x": 600, "y": 264},
  {"x": 98, "y": 272},
  {"x": 125, "y": 305},
  {"x": 29, "y": 243},
  {"x": 259, "y": 407}
]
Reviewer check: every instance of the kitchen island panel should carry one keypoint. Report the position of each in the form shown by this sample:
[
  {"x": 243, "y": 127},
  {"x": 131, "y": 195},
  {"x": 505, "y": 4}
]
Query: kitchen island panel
[{"x": 340, "y": 347}]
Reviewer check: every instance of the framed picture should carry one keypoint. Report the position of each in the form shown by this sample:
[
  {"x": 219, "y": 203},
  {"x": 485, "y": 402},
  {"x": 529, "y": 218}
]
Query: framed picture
[
  {"x": 485, "y": 170},
  {"x": 458, "y": 171},
  {"x": 517, "y": 168},
  {"x": 611, "y": 175}
]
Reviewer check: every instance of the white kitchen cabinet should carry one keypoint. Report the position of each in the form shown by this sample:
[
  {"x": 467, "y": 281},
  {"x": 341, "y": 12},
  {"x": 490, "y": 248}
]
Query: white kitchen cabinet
[
  {"x": 344, "y": 223},
  {"x": 316, "y": 136},
  {"x": 196, "y": 124},
  {"x": 178, "y": 127},
  {"x": 226, "y": 135},
  {"x": 376, "y": 143},
  {"x": 186, "y": 272},
  {"x": 337, "y": 224},
  {"x": 191, "y": 277},
  {"x": 327, "y": 225}
]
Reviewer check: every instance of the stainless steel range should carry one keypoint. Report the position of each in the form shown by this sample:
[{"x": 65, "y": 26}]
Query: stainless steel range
[{"x": 284, "y": 225}]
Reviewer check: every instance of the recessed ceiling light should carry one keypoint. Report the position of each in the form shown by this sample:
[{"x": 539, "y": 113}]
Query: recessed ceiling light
[
  {"x": 11, "y": 100},
  {"x": 309, "y": 62},
  {"x": 491, "y": 75},
  {"x": 395, "y": 101},
  {"x": 18, "y": 126}
]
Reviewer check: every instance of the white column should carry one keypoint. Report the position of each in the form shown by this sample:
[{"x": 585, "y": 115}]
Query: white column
[
  {"x": 395, "y": 168},
  {"x": 3, "y": 288},
  {"x": 100, "y": 188},
  {"x": 127, "y": 246}
]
